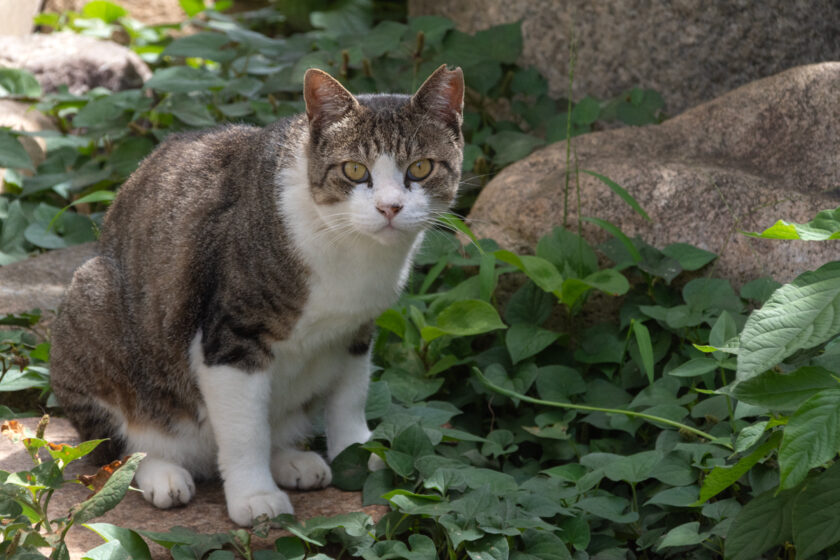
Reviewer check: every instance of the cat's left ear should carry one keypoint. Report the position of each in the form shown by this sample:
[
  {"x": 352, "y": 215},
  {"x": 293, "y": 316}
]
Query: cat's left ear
[
  {"x": 326, "y": 99},
  {"x": 442, "y": 94}
]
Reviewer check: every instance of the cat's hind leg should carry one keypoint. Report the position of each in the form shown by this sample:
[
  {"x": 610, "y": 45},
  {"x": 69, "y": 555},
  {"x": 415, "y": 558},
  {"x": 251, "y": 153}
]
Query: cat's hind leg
[
  {"x": 165, "y": 475},
  {"x": 292, "y": 467}
]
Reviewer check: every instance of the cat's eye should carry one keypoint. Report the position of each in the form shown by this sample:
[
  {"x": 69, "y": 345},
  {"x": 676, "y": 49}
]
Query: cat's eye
[
  {"x": 355, "y": 171},
  {"x": 419, "y": 170}
]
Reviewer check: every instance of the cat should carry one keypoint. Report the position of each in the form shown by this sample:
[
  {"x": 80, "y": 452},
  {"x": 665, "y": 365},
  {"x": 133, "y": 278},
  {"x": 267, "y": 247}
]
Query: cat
[{"x": 239, "y": 273}]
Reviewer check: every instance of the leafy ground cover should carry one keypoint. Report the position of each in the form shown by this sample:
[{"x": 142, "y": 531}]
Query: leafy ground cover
[{"x": 696, "y": 422}]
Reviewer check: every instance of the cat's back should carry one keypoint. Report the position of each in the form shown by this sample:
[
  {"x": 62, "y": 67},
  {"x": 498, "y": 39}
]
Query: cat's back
[{"x": 187, "y": 176}]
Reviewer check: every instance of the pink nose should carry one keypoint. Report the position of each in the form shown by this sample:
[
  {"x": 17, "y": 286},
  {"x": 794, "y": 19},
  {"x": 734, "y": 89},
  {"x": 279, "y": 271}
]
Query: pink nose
[{"x": 389, "y": 210}]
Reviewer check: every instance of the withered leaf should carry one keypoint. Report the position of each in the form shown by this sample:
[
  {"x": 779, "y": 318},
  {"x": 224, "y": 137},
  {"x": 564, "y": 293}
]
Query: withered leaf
[
  {"x": 13, "y": 429},
  {"x": 96, "y": 481}
]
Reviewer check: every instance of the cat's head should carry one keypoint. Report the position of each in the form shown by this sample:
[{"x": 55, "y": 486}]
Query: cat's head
[{"x": 384, "y": 166}]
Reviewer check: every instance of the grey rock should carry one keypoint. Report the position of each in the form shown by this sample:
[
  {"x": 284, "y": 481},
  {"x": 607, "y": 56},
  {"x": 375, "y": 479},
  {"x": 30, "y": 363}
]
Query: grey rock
[
  {"x": 40, "y": 281},
  {"x": 150, "y": 12},
  {"x": 690, "y": 52},
  {"x": 82, "y": 63},
  {"x": 16, "y": 16},
  {"x": 766, "y": 151}
]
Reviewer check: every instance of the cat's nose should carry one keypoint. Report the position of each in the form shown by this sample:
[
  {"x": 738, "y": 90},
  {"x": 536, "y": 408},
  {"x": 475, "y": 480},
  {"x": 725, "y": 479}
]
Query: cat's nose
[{"x": 389, "y": 210}]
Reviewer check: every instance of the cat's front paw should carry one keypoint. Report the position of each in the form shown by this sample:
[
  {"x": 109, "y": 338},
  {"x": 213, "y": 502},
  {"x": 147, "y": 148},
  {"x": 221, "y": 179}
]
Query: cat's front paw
[
  {"x": 164, "y": 484},
  {"x": 375, "y": 463},
  {"x": 301, "y": 470},
  {"x": 243, "y": 509}
]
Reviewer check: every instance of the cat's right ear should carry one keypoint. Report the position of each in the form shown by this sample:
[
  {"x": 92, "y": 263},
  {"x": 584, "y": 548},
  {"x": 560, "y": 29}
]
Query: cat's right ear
[{"x": 326, "y": 99}]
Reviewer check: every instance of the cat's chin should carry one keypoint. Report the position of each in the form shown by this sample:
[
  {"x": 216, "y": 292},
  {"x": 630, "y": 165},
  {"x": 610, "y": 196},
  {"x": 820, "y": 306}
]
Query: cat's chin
[{"x": 389, "y": 235}]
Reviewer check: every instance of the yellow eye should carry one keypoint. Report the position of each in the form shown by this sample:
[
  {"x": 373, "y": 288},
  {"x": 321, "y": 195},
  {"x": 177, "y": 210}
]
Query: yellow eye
[
  {"x": 419, "y": 170},
  {"x": 355, "y": 171}
]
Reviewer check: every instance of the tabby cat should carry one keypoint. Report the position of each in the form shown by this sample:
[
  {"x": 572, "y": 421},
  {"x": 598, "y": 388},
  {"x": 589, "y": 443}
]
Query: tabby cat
[{"x": 239, "y": 273}]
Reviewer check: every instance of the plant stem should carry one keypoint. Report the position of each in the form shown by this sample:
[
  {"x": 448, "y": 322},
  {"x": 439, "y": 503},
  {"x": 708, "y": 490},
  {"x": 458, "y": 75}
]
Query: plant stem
[
  {"x": 569, "y": 126},
  {"x": 642, "y": 415}
]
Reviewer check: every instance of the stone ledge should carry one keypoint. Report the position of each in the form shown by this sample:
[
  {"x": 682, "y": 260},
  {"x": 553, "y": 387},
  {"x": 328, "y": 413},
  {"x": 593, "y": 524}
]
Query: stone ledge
[{"x": 205, "y": 514}]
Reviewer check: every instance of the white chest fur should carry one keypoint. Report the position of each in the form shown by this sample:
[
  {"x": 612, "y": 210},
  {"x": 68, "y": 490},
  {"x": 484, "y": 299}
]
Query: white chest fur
[{"x": 352, "y": 277}]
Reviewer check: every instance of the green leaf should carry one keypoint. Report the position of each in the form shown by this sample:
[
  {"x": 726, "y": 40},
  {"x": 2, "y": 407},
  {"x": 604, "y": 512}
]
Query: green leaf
[
  {"x": 761, "y": 524},
  {"x": 433, "y": 27},
  {"x": 825, "y": 226},
  {"x": 108, "y": 551},
  {"x": 183, "y": 79},
  {"x": 586, "y": 111},
  {"x": 621, "y": 192},
  {"x": 556, "y": 383},
  {"x": 689, "y": 256},
  {"x": 529, "y": 304},
  {"x": 540, "y": 271},
  {"x": 640, "y": 331},
  {"x": 524, "y": 340},
  {"x": 811, "y": 437},
  {"x": 695, "y": 367},
  {"x": 683, "y": 535},
  {"x": 490, "y": 547},
  {"x": 722, "y": 478},
  {"x": 614, "y": 230},
  {"x": 192, "y": 7},
  {"x": 816, "y": 514},
  {"x": 106, "y": 11},
  {"x": 383, "y": 38},
  {"x": 511, "y": 146},
  {"x": 629, "y": 468},
  {"x": 464, "y": 318},
  {"x": 110, "y": 495},
  {"x": 548, "y": 546},
  {"x": 760, "y": 289},
  {"x": 345, "y": 17},
  {"x": 378, "y": 400},
  {"x": 132, "y": 542},
  {"x": 784, "y": 391},
  {"x": 15, "y": 82},
  {"x": 349, "y": 468},
  {"x": 798, "y": 315},
  {"x": 290, "y": 547},
  {"x": 529, "y": 81},
  {"x": 206, "y": 44},
  {"x": 97, "y": 196},
  {"x": 129, "y": 153},
  {"x": 39, "y": 236},
  {"x": 612, "y": 508},
  {"x": 12, "y": 153}
]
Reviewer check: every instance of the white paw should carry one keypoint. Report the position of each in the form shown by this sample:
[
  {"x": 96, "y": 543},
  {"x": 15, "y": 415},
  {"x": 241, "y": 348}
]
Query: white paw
[
  {"x": 164, "y": 484},
  {"x": 375, "y": 463},
  {"x": 301, "y": 470},
  {"x": 243, "y": 509}
]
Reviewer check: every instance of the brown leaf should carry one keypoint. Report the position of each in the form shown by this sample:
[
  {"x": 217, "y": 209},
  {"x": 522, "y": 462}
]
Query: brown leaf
[
  {"x": 96, "y": 481},
  {"x": 13, "y": 429}
]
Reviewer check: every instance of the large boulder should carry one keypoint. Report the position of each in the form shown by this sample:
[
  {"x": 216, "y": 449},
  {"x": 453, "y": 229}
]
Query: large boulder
[
  {"x": 16, "y": 16},
  {"x": 765, "y": 151},
  {"x": 689, "y": 51},
  {"x": 82, "y": 63},
  {"x": 150, "y": 12},
  {"x": 206, "y": 514},
  {"x": 39, "y": 282}
]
